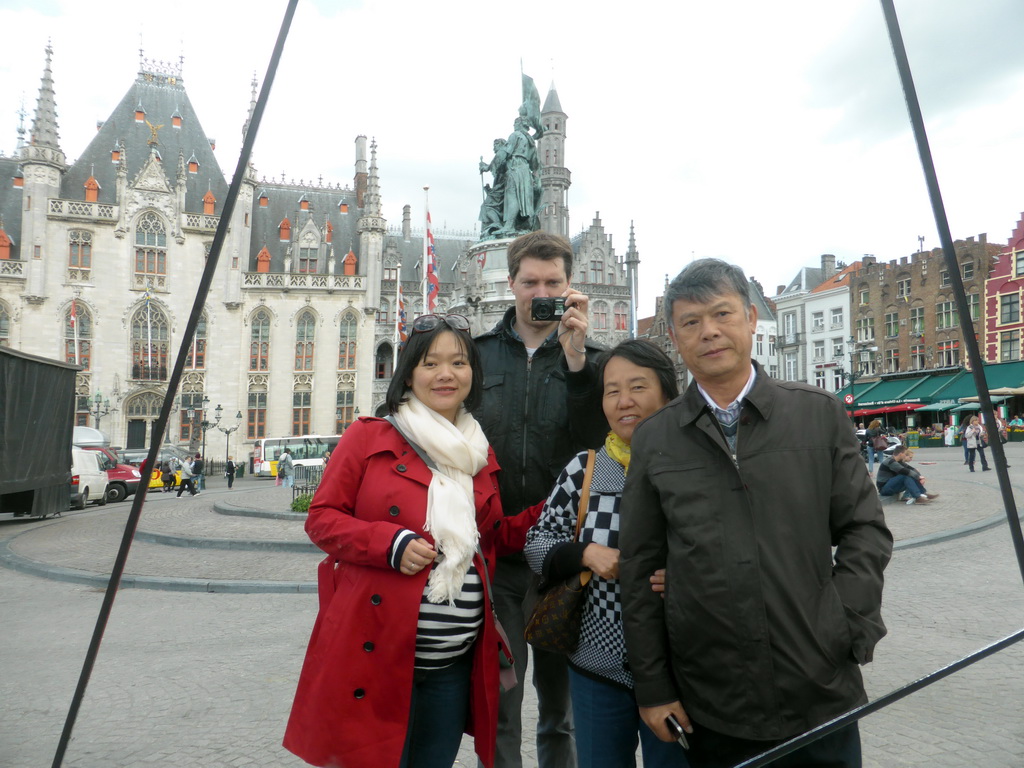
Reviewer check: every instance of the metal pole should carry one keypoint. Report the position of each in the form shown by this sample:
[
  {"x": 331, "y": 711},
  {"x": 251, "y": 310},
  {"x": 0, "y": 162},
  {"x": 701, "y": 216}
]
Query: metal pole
[
  {"x": 966, "y": 326},
  {"x": 161, "y": 423}
]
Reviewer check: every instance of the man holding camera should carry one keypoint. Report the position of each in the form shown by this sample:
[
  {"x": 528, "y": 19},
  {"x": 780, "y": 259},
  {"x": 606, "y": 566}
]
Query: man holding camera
[{"x": 540, "y": 407}]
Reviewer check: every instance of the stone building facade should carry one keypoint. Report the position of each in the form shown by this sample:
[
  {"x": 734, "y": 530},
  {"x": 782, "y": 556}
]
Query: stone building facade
[
  {"x": 1003, "y": 322},
  {"x": 100, "y": 261}
]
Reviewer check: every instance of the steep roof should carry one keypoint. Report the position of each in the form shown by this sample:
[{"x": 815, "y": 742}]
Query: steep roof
[
  {"x": 159, "y": 96},
  {"x": 840, "y": 279},
  {"x": 551, "y": 103}
]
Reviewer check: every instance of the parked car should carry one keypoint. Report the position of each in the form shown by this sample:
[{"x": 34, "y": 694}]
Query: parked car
[
  {"x": 88, "y": 480},
  {"x": 136, "y": 456},
  {"x": 122, "y": 479}
]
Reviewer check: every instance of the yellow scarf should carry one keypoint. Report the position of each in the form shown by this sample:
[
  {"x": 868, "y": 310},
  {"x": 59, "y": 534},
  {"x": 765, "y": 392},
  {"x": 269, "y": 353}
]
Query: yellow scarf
[{"x": 618, "y": 449}]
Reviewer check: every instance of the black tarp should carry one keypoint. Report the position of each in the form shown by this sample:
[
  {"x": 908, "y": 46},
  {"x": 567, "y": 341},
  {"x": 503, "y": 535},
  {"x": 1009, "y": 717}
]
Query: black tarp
[{"x": 37, "y": 411}]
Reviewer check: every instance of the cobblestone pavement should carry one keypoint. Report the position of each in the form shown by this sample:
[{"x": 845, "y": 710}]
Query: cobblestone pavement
[{"x": 205, "y": 679}]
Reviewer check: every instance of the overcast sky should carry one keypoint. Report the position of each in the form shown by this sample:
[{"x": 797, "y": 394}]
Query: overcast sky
[{"x": 762, "y": 133}]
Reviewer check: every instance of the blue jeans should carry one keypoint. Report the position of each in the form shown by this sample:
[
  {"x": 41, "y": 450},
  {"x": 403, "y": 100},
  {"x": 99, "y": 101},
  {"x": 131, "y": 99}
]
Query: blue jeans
[
  {"x": 287, "y": 480},
  {"x": 608, "y": 728},
  {"x": 871, "y": 457},
  {"x": 840, "y": 749},
  {"x": 437, "y": 716},
  {"x": 905, "y": 483}
]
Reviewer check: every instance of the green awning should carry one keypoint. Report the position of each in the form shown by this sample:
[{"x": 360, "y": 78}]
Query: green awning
[
  {"x": 966, "y": 407},
  {"x": 999, "y": 375},
  {"x": 927, "y": 389},
  {"x": 936, "y": 407},
  {"x": 891, "y": 392}
]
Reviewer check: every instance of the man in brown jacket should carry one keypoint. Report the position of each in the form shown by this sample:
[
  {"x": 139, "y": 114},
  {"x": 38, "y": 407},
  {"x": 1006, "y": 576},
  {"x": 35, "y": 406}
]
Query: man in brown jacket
[{"x": 740, "y": 488}]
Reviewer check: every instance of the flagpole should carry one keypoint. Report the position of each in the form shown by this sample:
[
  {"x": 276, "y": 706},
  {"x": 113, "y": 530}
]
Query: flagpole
[
  {"x": 398, "y": 316},
  {"x": 426, "y": 259},
  {"x": 74, "y": 327}
]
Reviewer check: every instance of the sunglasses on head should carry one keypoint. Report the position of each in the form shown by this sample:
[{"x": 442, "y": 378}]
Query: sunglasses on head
[{"x": 430, "y": 322}]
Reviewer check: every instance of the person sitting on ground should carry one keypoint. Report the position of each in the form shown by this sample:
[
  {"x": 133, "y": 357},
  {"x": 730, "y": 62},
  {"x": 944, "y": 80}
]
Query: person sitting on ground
[{"x": 895, "y": 474}]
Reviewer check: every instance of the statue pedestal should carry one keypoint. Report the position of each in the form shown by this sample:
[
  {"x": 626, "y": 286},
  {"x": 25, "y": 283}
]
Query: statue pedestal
[{"x": 485, "y": 295}]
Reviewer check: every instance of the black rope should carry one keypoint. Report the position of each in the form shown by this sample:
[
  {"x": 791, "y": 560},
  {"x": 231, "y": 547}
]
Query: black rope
[
  {"x": 160, "y": 426},
  {"x": 953, "y": 268},
  {"x": 882, "y": 701}
]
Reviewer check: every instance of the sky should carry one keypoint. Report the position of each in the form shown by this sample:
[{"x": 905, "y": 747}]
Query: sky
[{"x": 765, "y": 134}]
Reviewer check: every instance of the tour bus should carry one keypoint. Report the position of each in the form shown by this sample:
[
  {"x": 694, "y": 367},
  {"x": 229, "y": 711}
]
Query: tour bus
[{"x": 307, "y": 451}]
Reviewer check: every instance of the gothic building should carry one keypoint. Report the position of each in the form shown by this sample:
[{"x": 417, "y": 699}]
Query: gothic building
[{"x": 100, "y": 261}]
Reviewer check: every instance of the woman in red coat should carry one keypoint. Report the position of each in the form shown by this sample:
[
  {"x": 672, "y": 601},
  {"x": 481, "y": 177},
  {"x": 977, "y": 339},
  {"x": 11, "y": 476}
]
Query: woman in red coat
[{"x": 403, "y": 658}]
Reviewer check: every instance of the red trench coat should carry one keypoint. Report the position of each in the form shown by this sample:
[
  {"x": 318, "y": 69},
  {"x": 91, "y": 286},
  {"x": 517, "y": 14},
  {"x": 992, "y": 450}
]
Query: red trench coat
[{"x": 351, "y": 708}]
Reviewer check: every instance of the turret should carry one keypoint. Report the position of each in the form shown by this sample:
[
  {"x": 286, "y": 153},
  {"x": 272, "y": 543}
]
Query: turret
[{"x": 554, "y": 176}]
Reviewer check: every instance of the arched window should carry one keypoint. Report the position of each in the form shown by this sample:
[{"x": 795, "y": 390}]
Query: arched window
[
  {"x": 596, "y": 271},
  {"x": 384, "y": 313},
  {"x": 301, "y": 410},
  {"x": 196, "y": 359},
  {"x": 5, "y": 326},
  {"x": 305, "y": 331},
  {"x": 150, "y": 251},
  {"x": 150, "y": 342},
  {"x": 345, "y": 412},
  {"x": 347, "y": 346},
  {"x": 259, "y": 348},
  {"x": 78, "y": 335},
  {"x": 600, "y": 316},
  {"x": 79, "y": 249},
  {"x": 385, "y": 361},
  {"x": 621, "y": 316}
]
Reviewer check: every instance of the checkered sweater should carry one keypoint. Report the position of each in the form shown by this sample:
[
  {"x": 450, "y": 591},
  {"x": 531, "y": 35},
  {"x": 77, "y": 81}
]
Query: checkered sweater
[{"x": 551, "y": 552}]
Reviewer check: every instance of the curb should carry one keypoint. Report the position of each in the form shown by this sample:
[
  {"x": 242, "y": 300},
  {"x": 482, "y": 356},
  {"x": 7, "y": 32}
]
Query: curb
[
  {"x": 73, "y": 575},
  {"x": 954, "y": 533},
  {"x": 172, "y": 540},
  {"x": 230, "y": 509}
]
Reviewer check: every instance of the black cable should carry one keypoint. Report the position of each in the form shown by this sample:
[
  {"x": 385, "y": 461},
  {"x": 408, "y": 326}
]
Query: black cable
[{"x": 172, "y": 387}]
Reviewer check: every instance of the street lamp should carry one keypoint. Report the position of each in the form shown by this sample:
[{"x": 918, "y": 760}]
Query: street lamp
[
  {"x": 191, "y": 413},
  {"x": 850, "y": 342},
  {"x": 226, "y": 430},
  {"x": 99, "y": 403}
]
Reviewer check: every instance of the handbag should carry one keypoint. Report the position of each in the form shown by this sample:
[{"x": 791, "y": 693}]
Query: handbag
[
  {"x": 880, "y": 442},
  {"x": 555, "y": 622}
]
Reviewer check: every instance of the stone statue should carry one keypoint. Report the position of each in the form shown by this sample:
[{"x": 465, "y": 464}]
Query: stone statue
[{"x": 511, "y": 202}]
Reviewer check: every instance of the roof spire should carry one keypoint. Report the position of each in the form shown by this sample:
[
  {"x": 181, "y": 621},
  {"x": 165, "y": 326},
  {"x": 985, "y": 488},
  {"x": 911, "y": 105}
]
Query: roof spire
[
  {"x": 372, "y": 185},
  {"x": 252, "y": 107},
  {"x": 44, "y": 127}
]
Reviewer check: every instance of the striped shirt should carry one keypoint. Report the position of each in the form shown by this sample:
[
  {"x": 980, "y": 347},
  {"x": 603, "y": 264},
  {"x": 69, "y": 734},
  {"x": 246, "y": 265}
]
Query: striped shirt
[{"x": 444, "y": 632}]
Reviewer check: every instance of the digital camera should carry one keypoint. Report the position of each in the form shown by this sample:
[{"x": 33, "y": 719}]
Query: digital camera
[{"x": 548, "y": 308}]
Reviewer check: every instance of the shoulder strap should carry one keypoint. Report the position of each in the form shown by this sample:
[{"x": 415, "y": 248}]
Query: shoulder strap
[
  {"x": 581, "y": 512},
  {"x": 390, "y": 419}
]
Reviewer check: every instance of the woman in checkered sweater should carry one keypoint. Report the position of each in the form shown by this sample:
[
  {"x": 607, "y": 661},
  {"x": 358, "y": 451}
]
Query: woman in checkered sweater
[{"x": 637, "y": 379}]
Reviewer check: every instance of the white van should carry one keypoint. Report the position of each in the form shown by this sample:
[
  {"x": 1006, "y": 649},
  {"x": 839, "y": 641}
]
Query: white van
[{"x": 88, "y": 481}]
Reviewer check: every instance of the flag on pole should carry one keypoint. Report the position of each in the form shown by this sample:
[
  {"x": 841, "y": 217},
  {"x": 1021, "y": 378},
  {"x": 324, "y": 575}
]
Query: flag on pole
[
  {"x": 433, "y": 282},
  {"x": 403, "y": 335},
  {"x": 74, "y": 328}
]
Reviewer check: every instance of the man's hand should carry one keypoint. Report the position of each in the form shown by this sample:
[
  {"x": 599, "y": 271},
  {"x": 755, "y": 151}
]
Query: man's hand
[
  {"x": 602, "y": 560},
  {"x": 658, "y": 582},
  {"x": 572, "y": 330},
  {"x": 655, "y": 719},
  {"x": 418, "y": 555}
]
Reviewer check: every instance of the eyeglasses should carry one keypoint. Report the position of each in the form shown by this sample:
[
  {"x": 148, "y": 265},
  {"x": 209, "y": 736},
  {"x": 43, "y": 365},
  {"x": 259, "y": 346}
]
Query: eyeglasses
[{"x": 430, "y": 322}]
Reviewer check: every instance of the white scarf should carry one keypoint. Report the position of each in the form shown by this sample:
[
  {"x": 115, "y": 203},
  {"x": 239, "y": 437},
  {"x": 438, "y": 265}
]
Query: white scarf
[{"x": 460, "y": 452}]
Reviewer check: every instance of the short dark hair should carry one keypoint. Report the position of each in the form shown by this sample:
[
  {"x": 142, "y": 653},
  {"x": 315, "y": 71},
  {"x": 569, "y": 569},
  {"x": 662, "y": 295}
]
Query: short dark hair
[
  {"x": 704, "y": 279},
  {"x": 539, "y": 245},
  {"x": 646, "y": 355},
  {"x": 416, "y": 348}
]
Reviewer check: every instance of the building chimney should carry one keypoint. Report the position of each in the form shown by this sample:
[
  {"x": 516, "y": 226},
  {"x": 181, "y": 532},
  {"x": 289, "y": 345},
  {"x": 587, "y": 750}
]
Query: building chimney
[
  {"x": 828, "y": 266},
  {"x": 407, "y": 223},
  {"x": 779, "y": 290}
]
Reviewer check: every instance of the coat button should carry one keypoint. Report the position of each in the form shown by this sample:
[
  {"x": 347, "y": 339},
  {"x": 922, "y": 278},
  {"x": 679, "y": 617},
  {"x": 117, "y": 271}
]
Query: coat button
[
  {"x": 367, "y": 646},
  {"x": 375, "y": 599},
  {"x": 393, "y": 511},
  {"x": 359, "y": 693},
  {"x": 400, "y": 467},
  {"x": 497, "y": 524}
]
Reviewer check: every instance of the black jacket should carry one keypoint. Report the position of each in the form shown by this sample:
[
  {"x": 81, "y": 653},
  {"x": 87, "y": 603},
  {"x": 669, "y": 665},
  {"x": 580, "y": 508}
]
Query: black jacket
[
  {"x": 761, "y": 629},
  {"x": 889, "y": 468},
  {"x": 536, "y": 414}
]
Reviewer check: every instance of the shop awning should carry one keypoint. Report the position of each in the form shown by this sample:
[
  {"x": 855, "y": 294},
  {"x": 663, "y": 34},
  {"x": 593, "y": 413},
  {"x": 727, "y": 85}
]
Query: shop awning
[
  {"x": 993, "y": 398},
  {"x": 937, "y": 407},
  {"x": 966, "y": 407},
  {"x": 900, "y": 408},
  {"x": 891, "y": 392}
]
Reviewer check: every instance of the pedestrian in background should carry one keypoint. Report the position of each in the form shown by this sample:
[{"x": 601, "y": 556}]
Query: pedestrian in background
[
  {"x": 874, "y": 430},
  {"x": 286, "y": 468},
  {"x": 186, "y": 480},
  {"x": 895, "y": 475},
  {"x": 198, "y": 476},
  {"x": 974, "y": 439},
  {"x": 229, "y": 472}
]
